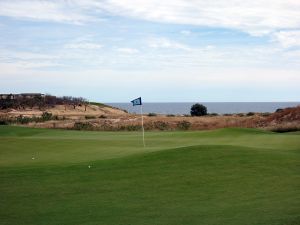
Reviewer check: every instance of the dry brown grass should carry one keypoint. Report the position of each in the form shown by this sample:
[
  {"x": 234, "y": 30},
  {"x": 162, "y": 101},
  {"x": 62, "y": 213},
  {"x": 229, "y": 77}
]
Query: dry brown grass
[
  {"x": 105, "y": 118},
  {"x": 67, "y": 111}
]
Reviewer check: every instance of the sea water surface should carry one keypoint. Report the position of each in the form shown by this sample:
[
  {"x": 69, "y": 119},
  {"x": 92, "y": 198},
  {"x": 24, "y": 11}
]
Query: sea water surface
[{"x": 212, "y": 107}]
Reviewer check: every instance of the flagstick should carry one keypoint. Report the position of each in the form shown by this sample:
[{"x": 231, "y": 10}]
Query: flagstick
[{"x": 143, "y": 126}]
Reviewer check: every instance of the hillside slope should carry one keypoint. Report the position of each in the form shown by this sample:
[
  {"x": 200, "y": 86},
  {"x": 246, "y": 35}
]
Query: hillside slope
[{"x": 67, "y": 111}]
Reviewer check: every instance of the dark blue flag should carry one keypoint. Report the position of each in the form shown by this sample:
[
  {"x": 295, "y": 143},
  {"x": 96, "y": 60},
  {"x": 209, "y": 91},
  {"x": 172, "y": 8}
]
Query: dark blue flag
[{"x": 137, "y": 101}]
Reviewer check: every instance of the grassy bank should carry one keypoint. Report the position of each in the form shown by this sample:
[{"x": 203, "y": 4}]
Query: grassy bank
[{"x": 226, "y": 176}]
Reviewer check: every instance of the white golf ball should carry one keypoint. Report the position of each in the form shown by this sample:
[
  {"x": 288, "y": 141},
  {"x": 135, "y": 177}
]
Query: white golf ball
[
  {"x": 32, "y": 158},
  {"x": 89, "y": 166}
]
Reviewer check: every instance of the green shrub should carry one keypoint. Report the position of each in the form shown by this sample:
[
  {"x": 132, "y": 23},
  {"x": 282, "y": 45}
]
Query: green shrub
[
  {"x": 82, "y": 126},
  {"x": 129, "y": 128},
  {"x": 133, "y": 127},
  {"x": 213, "y": 114},
  {"x": 170, "y": 115},
  {"x": 198, "y": 110},
  {"x": 6, "y": 120},
  {"x": 46, "y": 116},
  {"x": 3, "y": 122},
  {"x": 184, "y": 125},
  {"x": 55, "y": 117},
  {"x": 266, "y": 114},
  {"x": 90, "y": 117},
  {"x": 152, "y": 114},
  {"x": 23, "y": 120},
  {"x": 160, "y": 125},
  {"x": 250, "y": 114}
]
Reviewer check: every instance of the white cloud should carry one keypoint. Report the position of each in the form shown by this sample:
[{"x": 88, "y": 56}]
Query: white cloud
[
  {"x": 128, "y": 50},
  {"x": 84, "y": 45},
  {"x": 27, "y": 60},
  {"x": 254, "y": 17},
  {"x": 185, "y": 32},
  {"x": 47, "y": 10},
  {"x": 288, "y": 38},
  {"x": 166, "y": 43}
]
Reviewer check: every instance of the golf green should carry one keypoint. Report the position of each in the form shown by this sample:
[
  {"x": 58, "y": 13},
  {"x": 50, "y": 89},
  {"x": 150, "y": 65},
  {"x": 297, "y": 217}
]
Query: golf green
[{"x": 221, "y": 177}]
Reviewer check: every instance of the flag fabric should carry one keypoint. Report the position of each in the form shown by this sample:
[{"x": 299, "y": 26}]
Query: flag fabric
[{"x": 137, "y": 101}]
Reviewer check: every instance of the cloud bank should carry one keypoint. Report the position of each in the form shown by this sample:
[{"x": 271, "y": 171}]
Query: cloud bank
[{"x": 254, "y": 17}]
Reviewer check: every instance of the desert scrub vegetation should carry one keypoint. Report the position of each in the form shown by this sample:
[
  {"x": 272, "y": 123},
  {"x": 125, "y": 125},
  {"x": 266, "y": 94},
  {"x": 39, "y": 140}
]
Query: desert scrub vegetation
[
  {"x": 183, "y": 125},
  {"x": 250, "y": 114},
  {"x": 213, "y": 114},
  {"x": 170, "y": 115},
  {"x": 265, "y": 114},
  {"x": 49, "y": 101},
  {"x": 130, "y": 128},
  {"x": 157, "y": 125},
  {"x": 82, "y": 126},
  {"x": 87, "y": 117},
  {"x": 161, "y": 125},
  {"x": 152, "y": 114},
  {"x": 46, "y": 116}
]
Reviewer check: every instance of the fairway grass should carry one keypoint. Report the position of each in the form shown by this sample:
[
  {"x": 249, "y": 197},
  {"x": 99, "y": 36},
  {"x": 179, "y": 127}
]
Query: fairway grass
[{"x": 221, "y": 177}]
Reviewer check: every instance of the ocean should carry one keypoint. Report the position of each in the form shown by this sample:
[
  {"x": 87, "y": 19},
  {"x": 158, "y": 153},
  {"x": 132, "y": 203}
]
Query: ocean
[{"x": 212, "y": 107}]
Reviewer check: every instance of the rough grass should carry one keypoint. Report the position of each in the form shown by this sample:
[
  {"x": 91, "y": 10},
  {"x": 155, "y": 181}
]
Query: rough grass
[{"x": 227, "y": 176}]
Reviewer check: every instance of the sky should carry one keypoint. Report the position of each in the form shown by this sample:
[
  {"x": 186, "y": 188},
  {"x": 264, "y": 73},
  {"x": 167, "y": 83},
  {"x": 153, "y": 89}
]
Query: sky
[{"x": 164, "y": 51}]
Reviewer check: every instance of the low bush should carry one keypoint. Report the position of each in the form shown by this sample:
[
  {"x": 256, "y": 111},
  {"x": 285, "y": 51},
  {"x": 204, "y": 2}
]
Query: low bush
[
  {"x": 152, "y": 114},
  {"x": 160, "y": 125},
  {"x": 24, "y": 120},
  {"x": 46, "y": 116},
  {"x": 56, "y": 117},
  {"x": 89, "y": 117},
  {"x": 82, "y": 126},
  {"x": 132, "y": 127},
  {"x": 184, "y": 125},
  {"x": 266, "y": 114},
  {"x": 250, "y": 114},
  {"x": 6, "y": 120},
  {"x": 3, "y": 122},
  {"x": 102, "y": 117},
  {"x": 170, "y": 115}
]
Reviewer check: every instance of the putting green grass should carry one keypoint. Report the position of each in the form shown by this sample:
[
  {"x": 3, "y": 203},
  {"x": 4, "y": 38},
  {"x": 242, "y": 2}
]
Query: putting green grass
[{"x": 220, "y": 177}]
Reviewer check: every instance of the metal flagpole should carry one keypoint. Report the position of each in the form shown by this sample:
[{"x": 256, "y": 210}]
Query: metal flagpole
[{"x": 143, "y": 126}]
